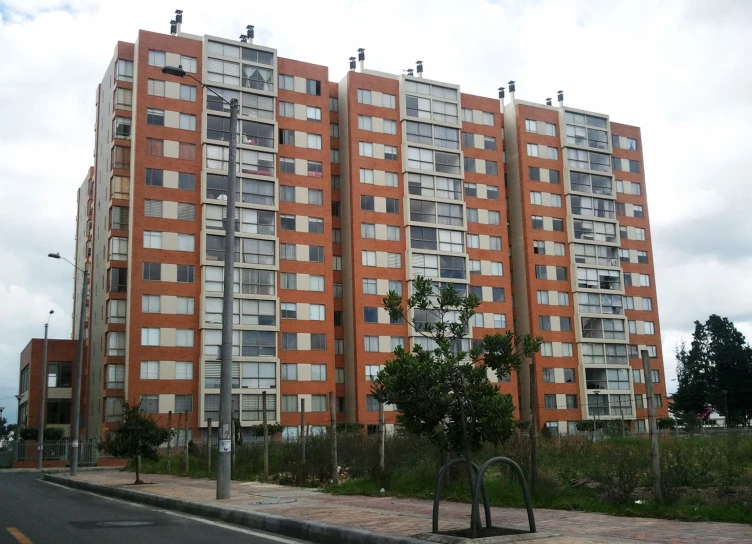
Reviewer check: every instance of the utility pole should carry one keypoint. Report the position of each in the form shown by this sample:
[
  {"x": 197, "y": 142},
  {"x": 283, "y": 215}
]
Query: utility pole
[
  {"x": 224, "y": 463},
  {"x": 265, "y": 428},
  {"x": 382, "y": 433},
  {"x": 533, "y": 428},
  {"x": 333, "y": 438},
  {"x": 79, "y": 367},
  {"x": 40, "y": 435},
  {"x": 595, "y": 420},
  {"x": 79, "y": 371},
  {"x": 652, "y": 430},
  {"x": 725, "y": 401},
  {"x": 169, "y": 442},
  {"x": 302, "y": 440},
  {"x": 209, "y": 446}
]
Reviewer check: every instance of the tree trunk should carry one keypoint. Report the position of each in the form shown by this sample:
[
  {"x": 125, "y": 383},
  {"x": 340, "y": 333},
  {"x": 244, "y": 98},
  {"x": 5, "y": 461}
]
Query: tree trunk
[
  {"x": 469, "y": 463},
  {"x": 138, "y": 470}
]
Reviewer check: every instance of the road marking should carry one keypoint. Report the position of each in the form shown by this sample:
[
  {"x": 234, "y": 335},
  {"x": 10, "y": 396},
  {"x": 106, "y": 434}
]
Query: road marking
[
  {"x": 18, "y": 535},
  {"x": 236, "y": 528}
]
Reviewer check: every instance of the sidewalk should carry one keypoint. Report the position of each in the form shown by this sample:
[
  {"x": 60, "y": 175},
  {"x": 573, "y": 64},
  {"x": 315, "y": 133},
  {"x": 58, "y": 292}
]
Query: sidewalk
[{"x": 409, "y": 517}]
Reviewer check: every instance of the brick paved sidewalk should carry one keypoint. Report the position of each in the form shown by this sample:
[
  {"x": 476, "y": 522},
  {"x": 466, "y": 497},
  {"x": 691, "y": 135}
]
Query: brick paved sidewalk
[{"x": 408, "y": 517}]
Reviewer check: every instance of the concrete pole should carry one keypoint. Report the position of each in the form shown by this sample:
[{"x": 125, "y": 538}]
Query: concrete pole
[
  {"x": 533, "y": 425},
  {"x": 382, "y": 433},
  {"x": 169, "y": 442},
  {"x": 234, "y": 438},
  {"x": 185, "y": 452},
  {"x": 652, "y": 428},
  {"x": 302, "y": 439},
  {"x": 77, "y": 385},
  {"x": 40, "y": 434},
  {"x": 224, "y": 464},
  {"x": 333, "y": 437},
  {"x": 209, "y": 446},
  {"x": 265, "y": 428}
]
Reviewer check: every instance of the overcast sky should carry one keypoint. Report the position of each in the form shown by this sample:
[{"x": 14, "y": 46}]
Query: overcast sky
[{"x": 678, "y": 69}]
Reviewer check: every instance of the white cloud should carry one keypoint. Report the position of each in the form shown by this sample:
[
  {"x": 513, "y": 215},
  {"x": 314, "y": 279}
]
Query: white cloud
[{"x": 677, "y": 69}]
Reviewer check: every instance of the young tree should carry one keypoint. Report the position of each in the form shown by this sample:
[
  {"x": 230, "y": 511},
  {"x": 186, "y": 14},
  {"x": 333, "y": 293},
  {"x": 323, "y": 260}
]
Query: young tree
[
  {"x": 440, "y": 390},
  {"x": 6, "y": 431},
  {"x": 137, "y": 436}
]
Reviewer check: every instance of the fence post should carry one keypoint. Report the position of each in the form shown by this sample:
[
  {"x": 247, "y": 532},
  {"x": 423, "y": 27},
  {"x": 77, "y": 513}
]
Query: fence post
[
  {"x": 382, "y": 433},
  {"x": 265, "y": 428},
  {"x": 234, "y": 430},
  {"x": 333, "y": 437},
  {"x": 652, "y": 427},
  {"x": 186, "y": 442},
  {"x": 302, "y": 440},
  {"x": 209, "y": 445},
  {"x": 169, "y": 442}
]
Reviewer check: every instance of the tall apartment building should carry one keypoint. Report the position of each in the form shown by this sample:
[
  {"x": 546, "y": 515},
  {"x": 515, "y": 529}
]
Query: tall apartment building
[
  {"x": 345, "y": 191},
  {"x": 584, "y": 278}
]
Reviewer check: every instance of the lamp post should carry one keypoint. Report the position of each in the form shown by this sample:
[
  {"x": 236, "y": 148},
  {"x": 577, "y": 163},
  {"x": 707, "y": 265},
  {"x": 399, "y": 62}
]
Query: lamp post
[
  {"x": 40, "y": 434},
  {"x": 79, "y": 368},
  {"x": 224, "y": 461},
  {"x": 18, "y": 418},
  {"x": 725, "y": 401}
]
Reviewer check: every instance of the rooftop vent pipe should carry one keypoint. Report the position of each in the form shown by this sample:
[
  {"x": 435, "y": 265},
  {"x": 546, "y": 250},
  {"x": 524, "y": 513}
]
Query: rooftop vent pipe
[
  {"x": 511, "y": 90},
  {"x": 410, "y": 72},
  {"x": 362, "y": 59},
  {"x": 352, "y": 63},
  {"x": 548, "y": 101},
  {"x": 244, "y": 38},
  {"x": 419, "y": 65},
  {"x": 173, "y": 27},
  {"x": 250, "y": 33},
  {"x": 560, "y": 95},
  {"x": 178, "y": 21},
  {"x": 501, "y": 97}
]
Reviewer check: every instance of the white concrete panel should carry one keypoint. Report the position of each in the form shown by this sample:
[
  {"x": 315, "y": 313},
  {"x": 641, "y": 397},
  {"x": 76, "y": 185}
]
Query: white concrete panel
[
  {"x": 301, "y": 140},
  {"x": 381, "y": 230},
  {"x": 301, "y": 193},
  {"x": 544, "y": 176},
  {"x": 546, "y": 199},
  {"x": 169, "y": 272},
  {"x": 479, "y": 141},
  {"x": 549, "y": 245},
  {"x": 301, "y": 223},
  {"x": 379, "y": 204},
  {"x": 301, "y": 252},
  {"x": 303, "y": 282},
  {"x": 548, "y": 223},
  {"x": 551, "y": 272},
  {"x": 172, "y": 90},
  {"x": 171, "y": 149},
  {"x": 378, "y": 151},
  {"x": 487, "y": 292},
  {"x": 480, "y": 166},
  {"x": 477, "y": 117},
  {"x": 558, "y": 372},
  {"x": 484, "y": 242},
  {"x": 303, "y": 311},
  {"x": 480, "y": 187},
  {"x": 379, "y": 177},
  {"x": 172, "y": 59},
  {"x": 555, "y": 326},
  {"x": 170, "y": 241},
  {"x": 485, "y": 268},
  {"x": 301, "y": 167},
  {"x": 167, "y": 337},
  {"x": 304, "y": 341},
  {"x": 166, "y": 403},
  {"x": 299, "y": 84},
  {"x": 304, "y": 370},
  {"x": 382, "y": 286},
  {"x": 171, "y": 119},
  {"x": 482, "y": 216},
  {"x": 377, "y": 98},
  {"x": 166, "y": 370},
  {"x": 385, "y": 344},
  {"x": 377, "y": 124},
  {"x": 170, "y": 179},
  {"x": 168, "y": 304},
  {"x": 382, "y": 260},
  {"x": 300, "y": 112},
  {"x": 383, "y": 315}
]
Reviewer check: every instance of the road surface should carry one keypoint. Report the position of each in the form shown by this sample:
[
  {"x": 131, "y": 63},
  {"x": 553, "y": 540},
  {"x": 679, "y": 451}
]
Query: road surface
[{"x": 36, "y": 512}]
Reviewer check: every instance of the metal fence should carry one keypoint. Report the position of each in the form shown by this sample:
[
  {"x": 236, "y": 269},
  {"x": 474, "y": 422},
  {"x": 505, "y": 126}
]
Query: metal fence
[{"x": 60, "y": 450}]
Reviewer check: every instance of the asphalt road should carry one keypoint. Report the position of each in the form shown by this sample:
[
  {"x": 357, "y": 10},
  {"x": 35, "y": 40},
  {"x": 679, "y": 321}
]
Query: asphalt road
[{"x": 36, "y": 512}]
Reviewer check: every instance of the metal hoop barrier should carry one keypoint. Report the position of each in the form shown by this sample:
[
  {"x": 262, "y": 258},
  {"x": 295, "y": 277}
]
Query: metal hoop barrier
[
  {"x": 525, "y": 494},
  {"x": 440, "y": 485}
]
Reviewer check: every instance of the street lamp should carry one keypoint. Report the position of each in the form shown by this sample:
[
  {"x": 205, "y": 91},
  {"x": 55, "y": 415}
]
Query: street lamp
[
  {"x": 79, "y": 367},
  {"x": 725, "y": 400},
  {"x": 224, "y": 465},
  {"x": 40, "y": 434},
  {"x": 18, "y": 418}
]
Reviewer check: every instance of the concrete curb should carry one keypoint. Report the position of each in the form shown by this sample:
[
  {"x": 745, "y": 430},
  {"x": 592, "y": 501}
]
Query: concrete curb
[
  {"x": 313, "y": 531},
  {"x": 55, "y": 470}
]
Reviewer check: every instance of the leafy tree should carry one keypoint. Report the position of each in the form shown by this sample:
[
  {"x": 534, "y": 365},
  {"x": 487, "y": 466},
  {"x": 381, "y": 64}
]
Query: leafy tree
[
  {"x": 6, "y": 431},
  {"x": 718, "y": 360},
  {"x": 137, "y": 436},
  {"x": 440, "y": 390},
  {"x": 51, "y": 433}
]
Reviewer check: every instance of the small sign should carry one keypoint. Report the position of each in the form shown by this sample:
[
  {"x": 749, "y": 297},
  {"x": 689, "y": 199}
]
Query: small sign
[
  {"x": 74, "y": 444},
  {"x": 225, "y": 446}
]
